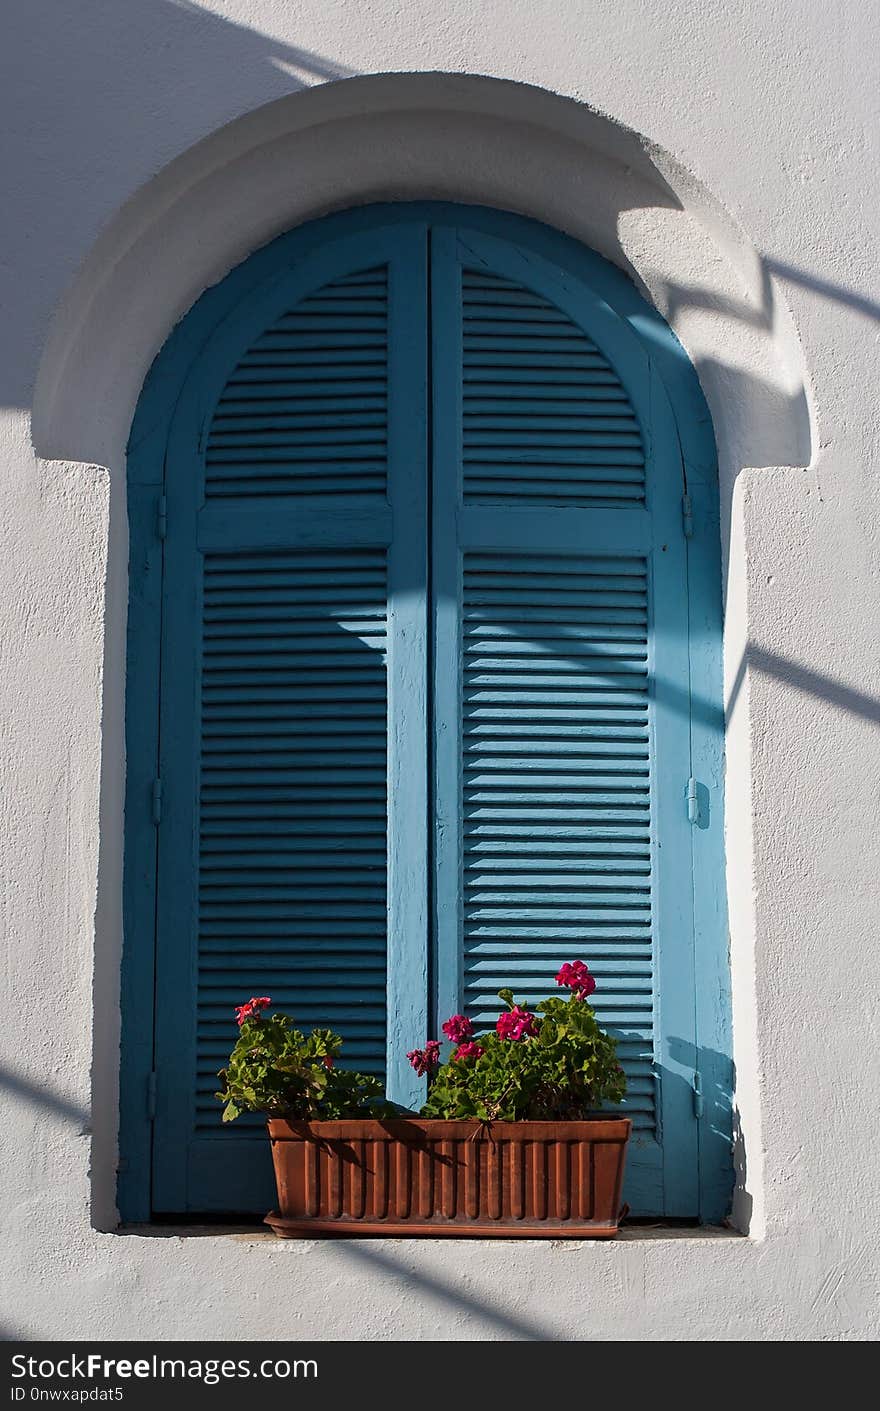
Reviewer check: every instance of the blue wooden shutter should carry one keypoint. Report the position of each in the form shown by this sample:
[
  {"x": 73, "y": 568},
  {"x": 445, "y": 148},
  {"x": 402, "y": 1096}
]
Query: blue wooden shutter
[
  {"x": 300, "y": 624},
  {"x": 292, "y": 844},
  {"x": 561, "y": 676}
]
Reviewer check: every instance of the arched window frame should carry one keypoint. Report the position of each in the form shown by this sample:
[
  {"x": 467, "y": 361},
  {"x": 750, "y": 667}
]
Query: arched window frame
[{"x": 711, "y": 1064}]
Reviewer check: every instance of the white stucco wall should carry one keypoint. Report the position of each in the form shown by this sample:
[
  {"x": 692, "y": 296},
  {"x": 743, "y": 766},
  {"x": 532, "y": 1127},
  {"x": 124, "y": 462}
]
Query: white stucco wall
[{"x": 143, "y": 161}]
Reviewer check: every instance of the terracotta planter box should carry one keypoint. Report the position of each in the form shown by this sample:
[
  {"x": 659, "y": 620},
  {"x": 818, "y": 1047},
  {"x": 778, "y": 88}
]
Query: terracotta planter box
[{"x": 419, "y": 1176}]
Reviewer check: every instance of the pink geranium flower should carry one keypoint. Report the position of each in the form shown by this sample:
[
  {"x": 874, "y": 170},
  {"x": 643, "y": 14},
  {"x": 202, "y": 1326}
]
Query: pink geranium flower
[
  {"x": 468, "y": 1050},
  {"x": 575, "y": 976},
  {"x": 458, "y": 1029},
  {"x": 517, "y": 1023}
]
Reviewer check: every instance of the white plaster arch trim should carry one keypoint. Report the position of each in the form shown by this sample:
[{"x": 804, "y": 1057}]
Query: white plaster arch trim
[
  {"x": 425, "y": 136},
  {"x": 421, "y": 137}
]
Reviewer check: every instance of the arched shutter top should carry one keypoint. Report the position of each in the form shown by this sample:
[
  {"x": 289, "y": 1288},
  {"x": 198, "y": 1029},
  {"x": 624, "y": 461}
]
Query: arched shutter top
[
  {"x": 545, "y": 416},
  {"x": 305, "y": 412}
]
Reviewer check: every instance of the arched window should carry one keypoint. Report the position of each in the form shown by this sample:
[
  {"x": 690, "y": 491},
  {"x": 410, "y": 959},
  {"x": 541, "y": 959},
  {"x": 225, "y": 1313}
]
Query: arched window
[{"x": 424, "y": 682}]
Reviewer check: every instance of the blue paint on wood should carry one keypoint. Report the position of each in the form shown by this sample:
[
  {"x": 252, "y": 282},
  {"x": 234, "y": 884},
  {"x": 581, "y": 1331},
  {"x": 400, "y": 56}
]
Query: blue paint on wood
[
  {"x": 560, "y": 642},
  {"x": 139, "y": 891}
]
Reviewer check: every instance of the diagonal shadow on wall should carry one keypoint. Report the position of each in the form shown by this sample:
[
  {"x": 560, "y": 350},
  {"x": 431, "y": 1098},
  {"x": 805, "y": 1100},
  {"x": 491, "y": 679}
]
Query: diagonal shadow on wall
[
  {"x": 138, "y": 60},
  {"x": 40, "y": 1097},
  {"x": 804, "y": 679}
]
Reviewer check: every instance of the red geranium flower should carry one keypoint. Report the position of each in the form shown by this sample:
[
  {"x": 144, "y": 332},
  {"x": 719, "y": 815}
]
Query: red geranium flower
[
  {"x": 425, "y": 1060},
  {"x": 458, "y": 1029},
  {"x": 575, "y": 976},
  {"x": 517, "y": 1023},
  {"x": 252, "y": 1010}
]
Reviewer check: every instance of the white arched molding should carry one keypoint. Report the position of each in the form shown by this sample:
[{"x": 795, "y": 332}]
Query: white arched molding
[
  {"x": 411, "y": 137},
  {"x": 406, "y": 137}
]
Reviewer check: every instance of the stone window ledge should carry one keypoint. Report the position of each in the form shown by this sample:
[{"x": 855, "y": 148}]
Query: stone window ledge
[{"x": 256, "y": 1234}]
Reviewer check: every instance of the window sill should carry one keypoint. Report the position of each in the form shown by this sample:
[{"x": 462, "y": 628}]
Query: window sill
[{"x": 247, "y": 1233}]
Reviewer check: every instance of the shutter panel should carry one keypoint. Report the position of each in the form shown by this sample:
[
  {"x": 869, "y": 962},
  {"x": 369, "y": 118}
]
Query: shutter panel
[
  {"x": 292, "y": 811},
  {"x": 556, "y": 790},
  {"x": 561, "y": 630},
  {"x": 289, "y": 703}
]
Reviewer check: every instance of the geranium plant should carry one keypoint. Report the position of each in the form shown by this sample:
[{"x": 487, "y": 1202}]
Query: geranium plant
[
  {"x": 276, "y": 1069},
  {"x": 512, "y": 1094},
  {"x": 552, "y": 1064}
]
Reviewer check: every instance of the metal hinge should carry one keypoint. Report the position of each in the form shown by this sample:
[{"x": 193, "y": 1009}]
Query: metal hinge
[
  {"x": 157, "y": 801},
  {"x": 697, "y": 1085},
  {"x": 687, "y": 516},
  {"x": 693, "y": 802},
  {"x": 162, "y": 516},
  {"x": 151, "y": 1095}
]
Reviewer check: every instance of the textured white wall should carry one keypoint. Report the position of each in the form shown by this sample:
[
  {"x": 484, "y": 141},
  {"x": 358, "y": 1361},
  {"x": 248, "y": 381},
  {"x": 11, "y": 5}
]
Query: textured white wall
[{"x": 750, "y": 221}]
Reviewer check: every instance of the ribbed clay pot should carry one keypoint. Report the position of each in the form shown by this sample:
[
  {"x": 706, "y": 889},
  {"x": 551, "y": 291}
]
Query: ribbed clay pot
[{"x": 419, "y": 1176}]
